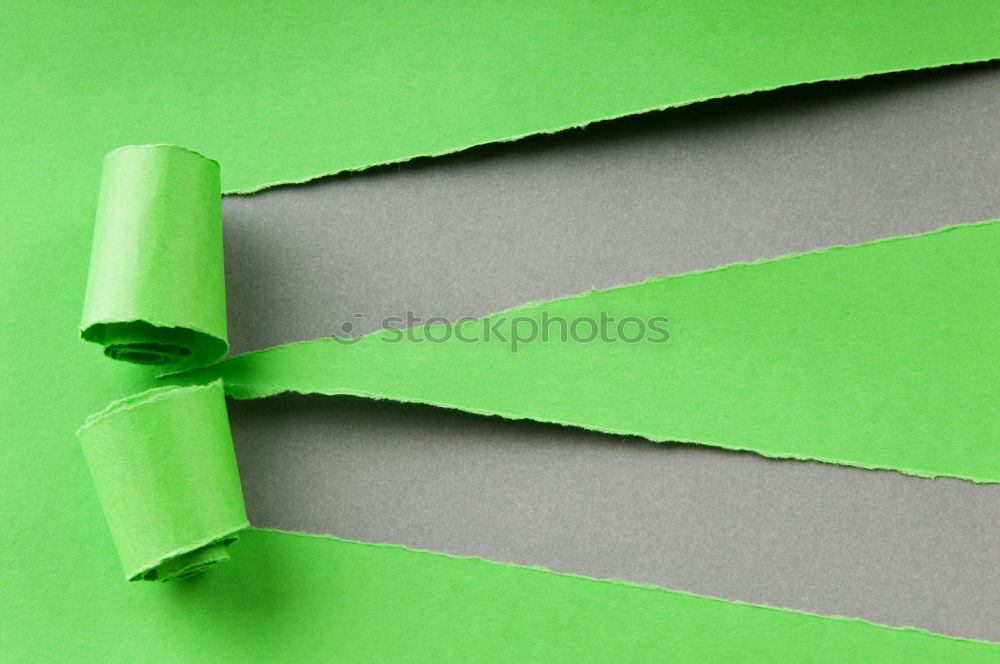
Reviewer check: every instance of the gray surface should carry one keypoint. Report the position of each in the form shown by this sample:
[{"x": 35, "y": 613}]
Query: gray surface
[{"x": 731, "y": 180}]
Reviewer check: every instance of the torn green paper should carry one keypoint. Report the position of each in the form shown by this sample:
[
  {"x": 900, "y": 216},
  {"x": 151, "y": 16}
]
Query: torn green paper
[
  {"x": 283, "y": 93},
  {"x": 156, "y": 290},
  {"x": 880, "y": 355},
  {"x": 327, "y": 88},
  {"x": 165, "y": 472},
  {"x": 470, "y": 610}
]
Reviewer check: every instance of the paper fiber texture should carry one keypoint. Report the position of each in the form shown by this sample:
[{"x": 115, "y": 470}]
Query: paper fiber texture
[
  {"x": 283, "y": 93},
  {"x": 156, "y": 289},
  {"x": 165, "y": 471},
  {"x": 880, "y": 355}
]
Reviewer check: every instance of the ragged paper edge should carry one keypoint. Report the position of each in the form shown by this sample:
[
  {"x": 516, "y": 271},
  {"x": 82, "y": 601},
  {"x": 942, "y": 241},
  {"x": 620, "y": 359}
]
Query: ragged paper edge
[
  {"x": 738, "y": 265},
  {"x": 581, "y": 125},
  {"x": 260, "y": 391},
  {"x": 173, "y": 146},
  {"x": 214, "y": 345},
  {"x": 611, "y": 289},
  {"x": 225, "y": 539},
  {"x": 539, "y": 569},
  {"x": 257, "y": 390},
  {"x": 132, "y": 401}
]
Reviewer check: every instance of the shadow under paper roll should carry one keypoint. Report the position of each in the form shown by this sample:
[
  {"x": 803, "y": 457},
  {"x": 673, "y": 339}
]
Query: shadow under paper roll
[
  {"x": 156, "y": 288},
  {"x": 165, "y": 472}
]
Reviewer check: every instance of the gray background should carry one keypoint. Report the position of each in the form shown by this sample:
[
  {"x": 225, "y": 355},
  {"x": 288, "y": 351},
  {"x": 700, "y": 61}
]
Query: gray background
[{"x": 664, "y": 193}]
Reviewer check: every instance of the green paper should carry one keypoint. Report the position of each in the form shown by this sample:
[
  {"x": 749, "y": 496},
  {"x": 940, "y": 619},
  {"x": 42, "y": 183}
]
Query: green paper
[
  {"x": 283, "y": 93},
  {"x": 880, "y": 355},
  {"x": 156, "y": 291},
  {"x": 165, "y": 472},
  {"x": 292, "y": 92}
]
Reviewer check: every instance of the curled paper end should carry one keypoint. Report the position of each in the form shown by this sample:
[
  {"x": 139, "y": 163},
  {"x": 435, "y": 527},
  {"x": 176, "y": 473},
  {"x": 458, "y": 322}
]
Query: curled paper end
[
  {"x": 163, "y": 465},
  {"x": 191, "y": 563},
  {"x": 140, "y": 342},
  {"x": 156, "y": 286}
]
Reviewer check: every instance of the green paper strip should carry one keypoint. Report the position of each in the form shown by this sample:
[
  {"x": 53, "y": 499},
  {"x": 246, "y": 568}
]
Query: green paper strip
[
  {"x": 880, "y": 355},
  {"x": 156, "y": 289},
  {"x": 165, "y": 472}
]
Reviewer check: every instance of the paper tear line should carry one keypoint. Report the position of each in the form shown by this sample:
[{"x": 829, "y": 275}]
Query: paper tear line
[
  {"x": 252, "y": 189},
  {"x": 539, "y": 569}
]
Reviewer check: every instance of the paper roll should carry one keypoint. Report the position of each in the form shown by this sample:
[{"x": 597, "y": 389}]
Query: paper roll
[
  {"x": 165, "y": 472},
  {"x": 156, "y": 288}
]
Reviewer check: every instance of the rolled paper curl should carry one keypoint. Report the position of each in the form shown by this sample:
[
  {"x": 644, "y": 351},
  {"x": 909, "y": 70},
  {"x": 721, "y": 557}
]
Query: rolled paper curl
[
  {"x": 165, "y": 472},
  {"x": 156, "y": 288}
]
